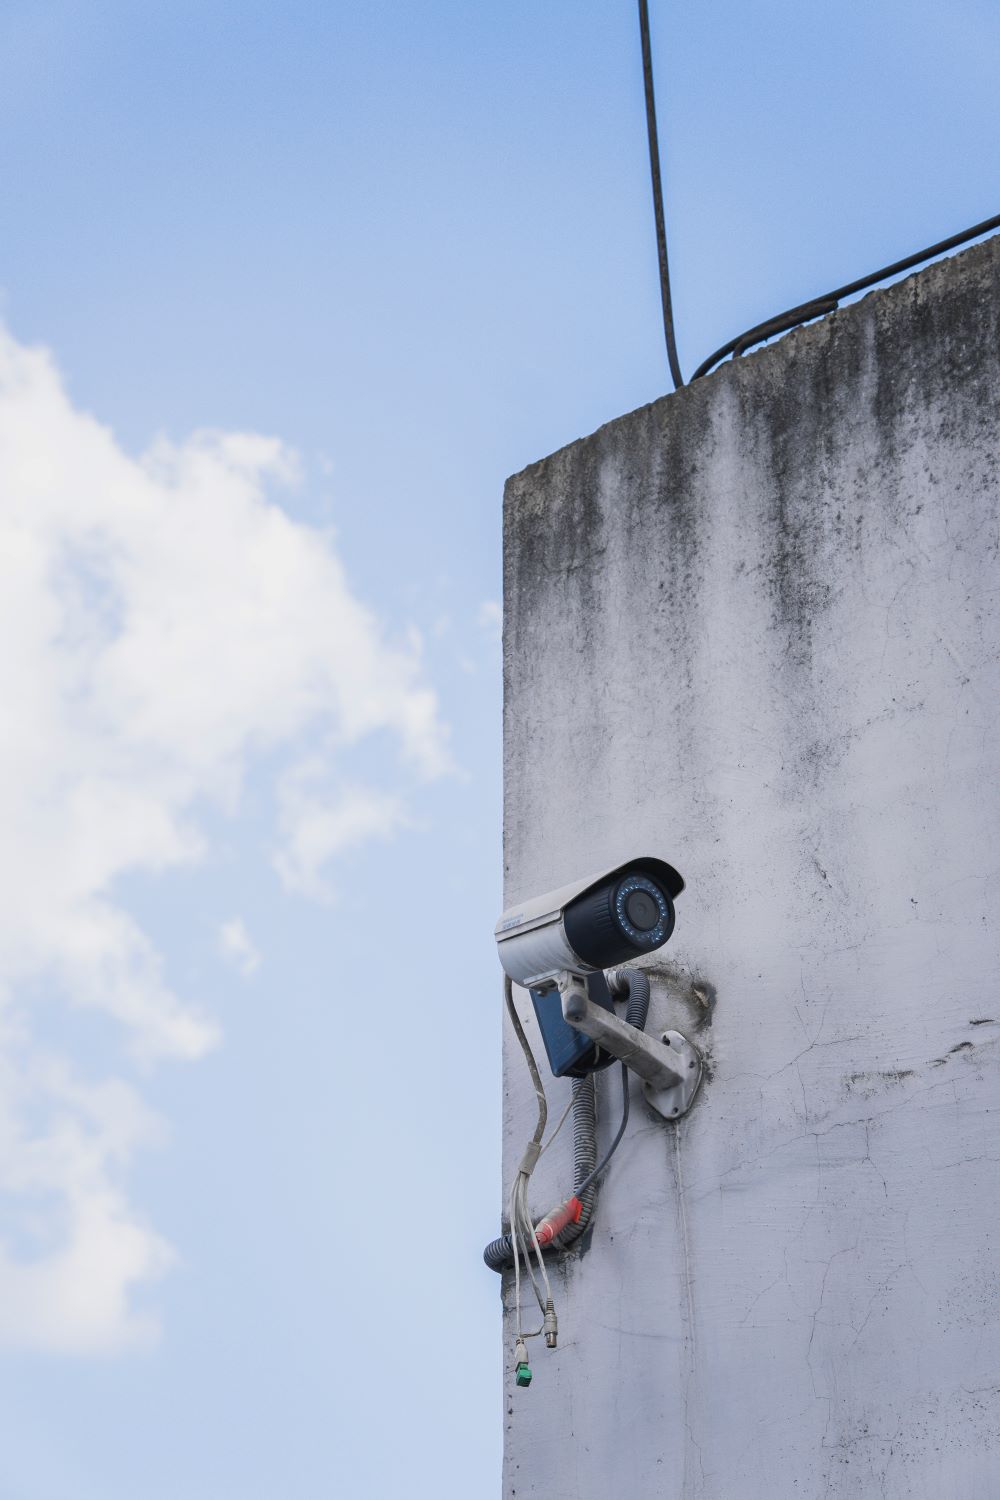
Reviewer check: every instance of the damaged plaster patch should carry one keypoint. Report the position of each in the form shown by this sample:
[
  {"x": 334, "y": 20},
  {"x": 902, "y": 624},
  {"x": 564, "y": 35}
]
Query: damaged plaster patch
[{"x": 867, "y": 1085}]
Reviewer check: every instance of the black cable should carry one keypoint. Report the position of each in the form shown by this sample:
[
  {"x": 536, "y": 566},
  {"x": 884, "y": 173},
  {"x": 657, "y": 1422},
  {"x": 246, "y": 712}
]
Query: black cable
[
  {"x": 654, "y": 172},
  {"x": 585, "y": 1184},
  {"x": 817, "y": 307},
  {"x": 821, "y": 305}
]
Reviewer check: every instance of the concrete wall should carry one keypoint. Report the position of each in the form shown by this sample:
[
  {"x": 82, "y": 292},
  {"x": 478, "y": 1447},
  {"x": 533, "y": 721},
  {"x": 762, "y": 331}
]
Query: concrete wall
[{"x": 752, "y": 628}]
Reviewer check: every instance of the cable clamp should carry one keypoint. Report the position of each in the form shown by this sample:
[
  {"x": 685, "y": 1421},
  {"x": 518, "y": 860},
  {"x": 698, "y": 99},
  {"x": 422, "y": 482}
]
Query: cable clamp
[{"x": 531, "y": 1154}]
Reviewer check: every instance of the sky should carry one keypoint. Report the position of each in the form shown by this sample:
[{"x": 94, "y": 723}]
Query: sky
[{"x": 286, "y": 292}]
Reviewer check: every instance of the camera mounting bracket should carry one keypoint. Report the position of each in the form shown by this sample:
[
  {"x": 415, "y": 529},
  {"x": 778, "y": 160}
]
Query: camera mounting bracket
[{"x": 670, "y": 1069}]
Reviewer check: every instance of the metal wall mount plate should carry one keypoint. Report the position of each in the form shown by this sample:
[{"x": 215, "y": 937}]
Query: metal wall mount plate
[{"x": 674, "y": 1101}]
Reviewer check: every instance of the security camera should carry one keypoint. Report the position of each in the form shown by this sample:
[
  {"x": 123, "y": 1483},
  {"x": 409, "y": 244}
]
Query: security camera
[
  {"x": 590, "y": 924},
  {"x": 557, "y": 947}
]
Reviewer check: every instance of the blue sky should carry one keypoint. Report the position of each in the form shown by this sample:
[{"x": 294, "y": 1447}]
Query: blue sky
[{"x": 313, "y": 279}]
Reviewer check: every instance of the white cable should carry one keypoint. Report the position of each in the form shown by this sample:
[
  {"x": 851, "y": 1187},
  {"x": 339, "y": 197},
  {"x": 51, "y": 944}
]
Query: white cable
[
  {"x": 541, "y": 1260},
  {"x": 562, "y": 1122},
  {"x": 523, "y": 1227},
  {"x": 515, "y": 1236},
  {"x": 525, "y": 1230},
  {"x": 517, "y": 1264}
]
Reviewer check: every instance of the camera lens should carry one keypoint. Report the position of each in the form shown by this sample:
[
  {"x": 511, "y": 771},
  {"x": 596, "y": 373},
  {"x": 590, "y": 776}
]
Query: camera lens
[
  {"x": 641, "y": 910},
  {"x": 644, "y": 912},
  {"x": 622, "y": 916}
]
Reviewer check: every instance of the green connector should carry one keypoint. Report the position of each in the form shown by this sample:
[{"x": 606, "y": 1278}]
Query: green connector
[{"x": 522, "y": 1375}]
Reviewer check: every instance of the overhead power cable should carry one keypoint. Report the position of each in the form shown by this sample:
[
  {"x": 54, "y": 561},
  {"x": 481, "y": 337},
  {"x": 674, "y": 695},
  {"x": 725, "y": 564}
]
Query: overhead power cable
[
  {"x": 805, "y": 312},
  {"x": 654, "y": 172}
]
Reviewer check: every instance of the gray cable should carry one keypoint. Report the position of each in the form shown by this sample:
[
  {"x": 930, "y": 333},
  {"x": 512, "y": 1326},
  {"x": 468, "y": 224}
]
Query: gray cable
[
  {"x": 529, "y": 1057},
  {"x": 499, "y": 1253}
]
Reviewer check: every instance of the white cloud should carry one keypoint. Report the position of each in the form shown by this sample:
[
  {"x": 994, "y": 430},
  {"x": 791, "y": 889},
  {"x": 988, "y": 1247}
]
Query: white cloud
[
  {"x": 73, "y": 1249},
  {"x": 236, "y": 944},
  {"x": 164, "y": 623},
  {"x": 319, "y": 821}
]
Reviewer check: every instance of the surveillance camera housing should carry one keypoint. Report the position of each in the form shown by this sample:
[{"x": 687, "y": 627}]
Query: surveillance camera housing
[{"x": 590, "y": 924}]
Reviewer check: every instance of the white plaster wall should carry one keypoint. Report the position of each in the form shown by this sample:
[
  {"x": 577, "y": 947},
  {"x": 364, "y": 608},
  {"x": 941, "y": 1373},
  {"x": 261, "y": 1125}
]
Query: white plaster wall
[{"x": 752, "y": 628}]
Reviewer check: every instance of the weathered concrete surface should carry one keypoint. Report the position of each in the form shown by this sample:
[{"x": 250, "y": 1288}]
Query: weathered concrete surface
[{"x": 752, "y": 628}]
